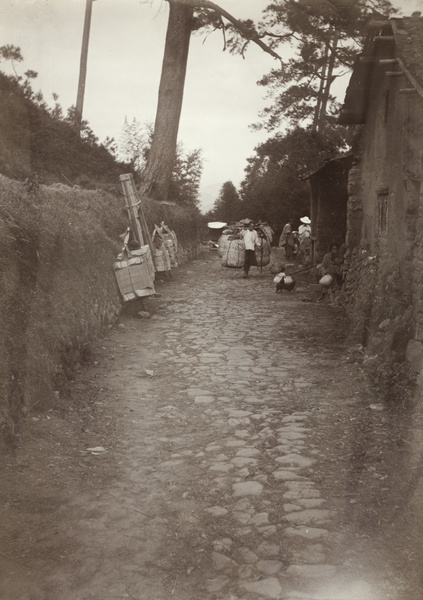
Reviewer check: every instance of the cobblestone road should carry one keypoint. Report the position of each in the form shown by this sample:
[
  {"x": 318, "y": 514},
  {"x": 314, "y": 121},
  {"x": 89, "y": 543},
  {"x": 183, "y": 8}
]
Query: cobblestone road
[{"x": 243, "y": 459}]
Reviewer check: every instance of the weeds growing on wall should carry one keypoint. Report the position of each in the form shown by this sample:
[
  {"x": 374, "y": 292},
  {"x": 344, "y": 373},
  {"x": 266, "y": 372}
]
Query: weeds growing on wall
[
  {"x": 57, "y": 285},
  {"x": 379, "y": 305}
]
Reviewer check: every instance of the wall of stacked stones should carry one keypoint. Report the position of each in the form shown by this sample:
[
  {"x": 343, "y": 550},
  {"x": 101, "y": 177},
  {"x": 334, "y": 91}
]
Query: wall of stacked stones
[{"x": 57, "y": 285}]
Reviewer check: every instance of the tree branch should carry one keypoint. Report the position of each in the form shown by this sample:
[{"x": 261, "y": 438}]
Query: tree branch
[{"x": 253, "y": 36}]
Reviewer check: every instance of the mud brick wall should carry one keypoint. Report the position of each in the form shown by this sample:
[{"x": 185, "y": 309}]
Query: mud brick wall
[{"x": 384, "y": 278}]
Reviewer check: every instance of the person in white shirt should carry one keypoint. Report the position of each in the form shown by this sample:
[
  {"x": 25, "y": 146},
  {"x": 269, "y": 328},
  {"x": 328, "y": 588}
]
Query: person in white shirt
[
  {"x": 304, "y": 230},
  {"x": 251, "y": 240},
  {"x": 304, "y": 234}
]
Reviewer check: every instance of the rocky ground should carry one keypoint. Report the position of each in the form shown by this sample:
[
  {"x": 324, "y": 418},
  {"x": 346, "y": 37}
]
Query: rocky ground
[{"x": 227, "y": 448}]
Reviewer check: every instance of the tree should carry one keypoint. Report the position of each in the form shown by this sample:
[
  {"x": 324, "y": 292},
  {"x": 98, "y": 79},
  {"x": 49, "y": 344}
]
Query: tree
[
  {"x": 134, "y": 142},
  {"x": 186, "y": 176},
  {"x": 227, "y": 207},
  {"x": 184, "y": 17},
  {"x": 13, "y": 54},
  {"x": 135, "y": 147},
  {"x": 274, "y": 187},
  {"x": 322, "y": 38}
]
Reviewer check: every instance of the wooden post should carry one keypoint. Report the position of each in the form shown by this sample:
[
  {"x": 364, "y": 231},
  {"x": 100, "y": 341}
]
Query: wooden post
[{"x": 131, "y": 203}]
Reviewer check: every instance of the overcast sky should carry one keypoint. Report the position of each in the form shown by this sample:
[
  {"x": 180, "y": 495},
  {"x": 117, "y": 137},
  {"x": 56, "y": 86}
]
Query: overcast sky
[{"x": 124, "y": 63}]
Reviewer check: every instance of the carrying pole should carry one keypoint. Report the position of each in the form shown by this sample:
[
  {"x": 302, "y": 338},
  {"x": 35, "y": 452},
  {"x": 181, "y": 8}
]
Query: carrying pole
[{"x": 136, "y": 213}]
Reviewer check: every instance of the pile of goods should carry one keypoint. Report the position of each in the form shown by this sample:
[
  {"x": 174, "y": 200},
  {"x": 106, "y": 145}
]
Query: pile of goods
[
  {"x": 232, "y": 248},
  {"x": 166, "y": 248},
  {"x": 134, "y": 270}
]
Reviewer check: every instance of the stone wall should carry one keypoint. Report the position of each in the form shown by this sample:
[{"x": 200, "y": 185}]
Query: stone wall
[
  {"x": 385, "y": 274},
  {"x": 57, "y": 285}
]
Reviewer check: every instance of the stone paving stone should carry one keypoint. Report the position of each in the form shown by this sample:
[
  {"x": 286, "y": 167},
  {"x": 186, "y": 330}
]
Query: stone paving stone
[
  {"x": 295, "y": 459},
  {"x": 268, "y": 550},
  {"x": 248, "y": 488},
  {"x": 242, "y": 433},
  {"x": 311, "y": 502},
  {"x": 301, "y": 493},
  {"x": 312, "y": 571},
  {"x": 253, "y": 400},
  {"x": 212, "y": 447},
  {"x": 217, "y": 511},
  {"x": 284, "y": 475},
  {"x": 220, "y": 561},
  {"x": 238, "y": 413},
  {"x": 234, "y": 422},
  {"x": 204, "y": 399},
  {"x": 309, "y": 517},
  {"x": 312, "y": 555},
  {"x": 243, "y": 473},
  {"x": 193, "y": 392},
  {"x": 290, "y": 507},
  {"x": 220, "y": 457},
  {"x": 295, "y": 418},
  {"x": 244, "y": 505},
  {"x": 246, "y": 572},
  {"x": 242, "y": 518},
  {"x": 248, "y": 452},
  {"x": 269, "y": 567},
  {"x": 243, "y": 532},
  {"x": 242, "y": 461},
  {"x": 308, "y": 533},
  {"x": 248, "y": 556},
  {"x": 215, "y": 585},
  {"x": 223, "y": 467},
  {"x": 304, "y": 484},
  {"x": 291, "y": 435},
  {"x": 235, "y": 443},
  {"x": 260, "y": 519},
  {"x": 268, "y": 531},
  {"x": 222, "y": 544},
  {"x": 269, "y": 588}
]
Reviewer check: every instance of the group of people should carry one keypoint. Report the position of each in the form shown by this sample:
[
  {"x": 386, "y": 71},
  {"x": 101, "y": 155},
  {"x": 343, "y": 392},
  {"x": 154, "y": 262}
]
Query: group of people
[
  {"x": 330, "y": 270},
  {"x": 294, "y": 242}
]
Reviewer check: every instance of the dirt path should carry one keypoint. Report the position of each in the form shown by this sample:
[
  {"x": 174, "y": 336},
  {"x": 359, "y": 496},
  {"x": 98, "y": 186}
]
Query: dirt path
[{"x": 239, "y": 456}]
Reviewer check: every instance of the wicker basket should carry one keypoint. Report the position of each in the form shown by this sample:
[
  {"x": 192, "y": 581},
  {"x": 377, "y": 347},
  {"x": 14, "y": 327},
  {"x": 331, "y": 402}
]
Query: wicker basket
[
  {"x": 234, "y": 255},
  {"x": 223, "y": 244},
  {"x": 170, "y": 245},
  {"x": 263, "y": 253},
  {"x": 161, "y": 259},
  {"x": 135, "y": 274}
]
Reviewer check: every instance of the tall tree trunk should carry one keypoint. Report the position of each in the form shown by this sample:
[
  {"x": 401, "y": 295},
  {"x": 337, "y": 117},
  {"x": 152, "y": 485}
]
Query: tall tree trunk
[
  {"x": 329, "y": 74},
  {"x": 161, "y": 159},
  {"x": 317, "y": 110},
  {"x": 83, "y": 66}
]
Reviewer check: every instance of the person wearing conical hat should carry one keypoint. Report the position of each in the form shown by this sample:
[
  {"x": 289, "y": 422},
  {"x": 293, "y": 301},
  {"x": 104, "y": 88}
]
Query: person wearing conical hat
[
  {"x": 304, "y": 230},
  {"x": 304, "y": 236}
]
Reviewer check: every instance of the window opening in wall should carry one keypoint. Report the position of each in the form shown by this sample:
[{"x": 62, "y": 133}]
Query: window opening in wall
[{"x": 383, "y": 212}]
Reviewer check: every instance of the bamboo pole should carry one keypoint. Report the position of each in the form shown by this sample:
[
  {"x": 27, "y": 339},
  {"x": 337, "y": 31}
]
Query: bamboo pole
[{"x": 131, "y": 203}]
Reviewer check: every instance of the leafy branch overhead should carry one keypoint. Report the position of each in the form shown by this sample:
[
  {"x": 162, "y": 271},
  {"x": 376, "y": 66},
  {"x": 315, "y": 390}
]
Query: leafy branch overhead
[
  {"x": 211, "y": 14},
  {"x": 320, "y": 39}
]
